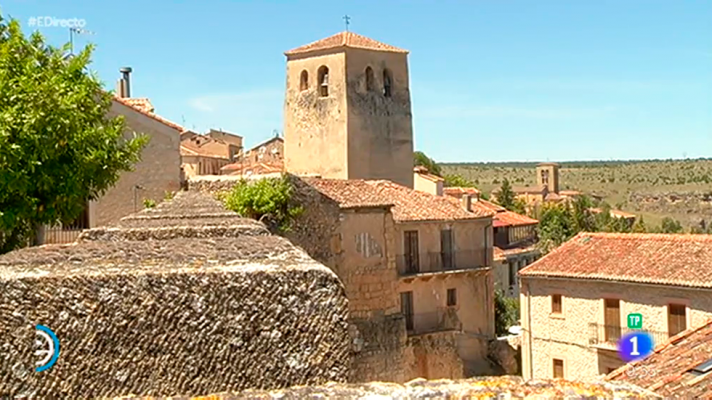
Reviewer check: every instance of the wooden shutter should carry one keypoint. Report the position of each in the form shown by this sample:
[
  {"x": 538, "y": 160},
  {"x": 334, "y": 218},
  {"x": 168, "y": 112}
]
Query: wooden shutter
[
  {"x": 556, "y": 303},
  {"x": 410, "y": 246},
  {"x": 446, "y": 246},
  {"x": 612, "y": 319},
  {"x": 407, "y": 308},
  {"x": 558, "y": 368},
  {"x": 677, "y": 321}
]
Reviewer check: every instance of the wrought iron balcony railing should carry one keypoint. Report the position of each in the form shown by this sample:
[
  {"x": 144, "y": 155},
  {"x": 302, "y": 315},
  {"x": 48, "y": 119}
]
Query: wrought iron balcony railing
[
  {"x": 608, "y": 335},
  {"x": 443, "y": 320},
  {"x": 418, "y": 263}
]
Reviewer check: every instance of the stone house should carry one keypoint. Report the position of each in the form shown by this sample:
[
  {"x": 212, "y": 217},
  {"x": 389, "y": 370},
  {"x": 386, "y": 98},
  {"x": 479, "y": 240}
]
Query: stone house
[
  {"x": 158, "y": 172},
  {"x": 416, "y": 269},
  {"x": 264, "y": 158},
  {"x": 347, "y": 111},
  {"x": 203, "y": 155},
  {"x": 680, "y": 368},
  {"x": 576, "y": 299},
  {"x": 427, "y": 182}
]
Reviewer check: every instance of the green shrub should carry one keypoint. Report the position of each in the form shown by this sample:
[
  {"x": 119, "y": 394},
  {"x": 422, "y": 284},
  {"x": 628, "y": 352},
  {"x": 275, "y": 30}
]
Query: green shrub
[
  {"x": 149, "y": 203},
  {"x": 268, "y": 200},
  {"x": 506, "y": 312}
]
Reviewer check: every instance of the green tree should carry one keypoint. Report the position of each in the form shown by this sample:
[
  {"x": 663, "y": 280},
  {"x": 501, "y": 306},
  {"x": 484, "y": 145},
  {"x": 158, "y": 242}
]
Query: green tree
[
  {"x": 639, "y": 226},
  {"x": 456, "y": 180},
  {"x": 58, "y": 146},
  {"x": 505, "y": 197},
  {"x": 555, "y": 226},
  {"x": 268, "y": 200},
  {"x": 670, "y": 225},
  {"x": 506, "y": 312},
  {"x": 422, "y": 160}
]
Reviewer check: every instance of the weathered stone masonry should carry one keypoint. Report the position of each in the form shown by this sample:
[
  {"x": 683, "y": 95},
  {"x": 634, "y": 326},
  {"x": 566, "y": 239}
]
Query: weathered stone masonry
[{"x": 184, "y": 299}]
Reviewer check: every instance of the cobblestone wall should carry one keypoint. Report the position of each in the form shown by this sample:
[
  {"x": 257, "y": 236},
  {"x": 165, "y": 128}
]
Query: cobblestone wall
[{"x": 144, "y": 308}]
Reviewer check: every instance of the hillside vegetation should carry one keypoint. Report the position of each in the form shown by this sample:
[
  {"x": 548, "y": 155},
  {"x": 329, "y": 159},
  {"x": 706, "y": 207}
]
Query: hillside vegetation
[{"x": 681, "y": 189}]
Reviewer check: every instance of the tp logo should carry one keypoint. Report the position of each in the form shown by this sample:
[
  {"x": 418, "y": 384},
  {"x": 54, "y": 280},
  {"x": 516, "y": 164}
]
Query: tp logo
[{"x": 48, "y": 348}]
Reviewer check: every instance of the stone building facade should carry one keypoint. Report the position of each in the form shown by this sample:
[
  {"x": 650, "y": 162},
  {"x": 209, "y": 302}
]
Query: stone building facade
[
  {"x": 422, "y": 311},
  {"x": 575, "y": 300},
  {"x": 347, "y": 111}
]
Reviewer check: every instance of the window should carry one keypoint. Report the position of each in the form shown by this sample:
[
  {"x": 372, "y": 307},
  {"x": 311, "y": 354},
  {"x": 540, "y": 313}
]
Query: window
[
  {"x": 545, "y": 177},
  {"x": 451, "y": 297},
  {"x": 304, "y": 80},
  {"x": 677, "y": 318},
  {"x": 410, "y": 247},
  {"x": 612, "y": 319},
  {"x": 407, "y": 309},
  {"x": 369, "y": 79},
  {"x": 387, "y": 83},
  {"x": 323, "y": 81},
  {"x": 558, "y": 368},
  {"x": 446, "y": 249},
  {"x": 556, "y": 305}
]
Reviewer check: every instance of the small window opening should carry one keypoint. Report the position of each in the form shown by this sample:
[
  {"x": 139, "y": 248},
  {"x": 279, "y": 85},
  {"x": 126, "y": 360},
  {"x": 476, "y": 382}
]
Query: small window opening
[
  {"x": 451, "y": 297},
  {"x": 304, "y": 81},
  {"x": 323, "y": 81},
  {"x": 387, "y": 83},
  {"x": 369, "y": 79},
  {"x": 556, "y": 304}
]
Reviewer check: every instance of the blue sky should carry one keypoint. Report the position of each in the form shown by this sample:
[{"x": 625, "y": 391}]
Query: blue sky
[{"x": 490, "y": 80}]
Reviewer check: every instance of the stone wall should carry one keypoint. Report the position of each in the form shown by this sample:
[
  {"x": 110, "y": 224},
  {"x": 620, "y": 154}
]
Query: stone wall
[
  {"x": 507, "y": 387},
  {"x": 183, "y": 299},
  {"x": 435, "y": 356}
]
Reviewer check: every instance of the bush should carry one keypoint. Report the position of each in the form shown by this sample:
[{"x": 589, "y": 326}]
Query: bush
[
  {"x": 506, "y": 312},
  {"x": 267, "y": 200},
  {"x": 149, "y": 203}
]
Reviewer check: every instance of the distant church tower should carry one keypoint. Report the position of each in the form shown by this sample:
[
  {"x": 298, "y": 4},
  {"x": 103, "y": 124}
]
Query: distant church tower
[{"x": 347, "y": 111}]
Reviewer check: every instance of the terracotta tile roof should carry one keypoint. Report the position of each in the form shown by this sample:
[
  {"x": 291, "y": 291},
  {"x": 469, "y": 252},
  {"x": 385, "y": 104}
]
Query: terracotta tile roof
[
  {"x": 669, "y": 370},
  {"x": 128, "y": 103},
  {"x": 141, "y": 103},
  {"x": 252, "y": 169},
  {"x": 499, "y": 254},
  {"x": 457, "y": 191},
  {"x": 188, "y": 151},
  {"x": 510, "y": 218},
  {"x": 492, "y": 206},
  {"x": 614, "y": 213},
  {"x": 409, "y": 204},
  {"x": 345, "y": 39},
  {"x": 666, "y": 259},
  {"x": 423, "y": 172}
]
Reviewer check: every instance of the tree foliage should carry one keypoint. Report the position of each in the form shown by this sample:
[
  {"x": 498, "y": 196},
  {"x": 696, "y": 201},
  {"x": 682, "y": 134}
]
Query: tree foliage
[
  {"x": 456, "y": 180},
  {"x": 58, "y": 146},
  {"x": 422, "y": 160},
  {"x": 268, "y": 200},
  {"x": 506, "y": 196},
  {"x": 506, "y": 312}
]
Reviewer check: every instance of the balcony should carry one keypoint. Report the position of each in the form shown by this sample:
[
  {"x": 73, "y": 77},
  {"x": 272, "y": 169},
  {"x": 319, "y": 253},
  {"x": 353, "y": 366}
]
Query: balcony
[
  {"x": 445, "y": 319},
  {"x": 606, "y": 336},
  {"x": 408, "y": 264}
]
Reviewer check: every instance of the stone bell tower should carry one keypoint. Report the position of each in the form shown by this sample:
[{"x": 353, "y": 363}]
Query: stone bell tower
[{"x": 347, "y": 111}]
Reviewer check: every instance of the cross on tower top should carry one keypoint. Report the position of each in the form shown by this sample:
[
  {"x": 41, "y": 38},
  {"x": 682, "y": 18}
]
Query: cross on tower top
[{"x": 347, "y": 19}]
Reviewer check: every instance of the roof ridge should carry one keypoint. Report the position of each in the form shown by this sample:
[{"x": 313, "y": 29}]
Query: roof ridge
[{"x": 648, "y": 235}]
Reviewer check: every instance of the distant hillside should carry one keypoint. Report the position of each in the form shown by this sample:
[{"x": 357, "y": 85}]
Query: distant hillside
[{"x": 681, "y": 189}]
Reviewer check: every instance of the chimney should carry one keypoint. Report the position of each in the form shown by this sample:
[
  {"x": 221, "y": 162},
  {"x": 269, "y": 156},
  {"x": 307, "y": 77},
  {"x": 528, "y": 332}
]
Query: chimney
[
  {"x": 123, "y": 86},
  {"x": 466, "y": 201}
]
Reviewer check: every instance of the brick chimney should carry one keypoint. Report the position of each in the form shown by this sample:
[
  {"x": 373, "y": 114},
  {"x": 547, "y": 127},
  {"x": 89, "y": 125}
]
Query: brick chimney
[{"x": 123, "y": 86}]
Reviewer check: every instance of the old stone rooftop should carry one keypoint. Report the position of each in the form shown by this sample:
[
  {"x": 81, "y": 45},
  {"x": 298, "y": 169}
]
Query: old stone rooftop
[
  {"x": 503, "y": 387},
  {"x": 680, "y": 368},
  {"x": 342, "y": 40},
  {"x": 408, "y": 204},
  {"x": 159, "y": 302},
  {"x": 679, "y": 260}
]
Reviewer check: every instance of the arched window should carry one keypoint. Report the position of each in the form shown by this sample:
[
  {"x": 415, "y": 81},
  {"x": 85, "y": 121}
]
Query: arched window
[
  {"x": 304, "y": 80},
  {"x": 387, "y": 83},
  {"x": 369, "y": 79},
  {"x": 323, "y": 81}
]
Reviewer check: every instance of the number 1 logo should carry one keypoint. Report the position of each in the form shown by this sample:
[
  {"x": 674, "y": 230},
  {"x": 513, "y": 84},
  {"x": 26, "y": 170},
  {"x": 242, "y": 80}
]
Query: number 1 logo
[{"x": 635, "y": 346}]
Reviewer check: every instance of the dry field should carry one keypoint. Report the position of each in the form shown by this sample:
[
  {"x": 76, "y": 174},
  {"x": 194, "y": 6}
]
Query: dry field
[{"x": 681, "y": 189}]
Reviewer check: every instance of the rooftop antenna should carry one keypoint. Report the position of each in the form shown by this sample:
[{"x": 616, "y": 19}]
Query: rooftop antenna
[
  {"x": 346, "y": 20},
  {"x": 78, "y": 31}
]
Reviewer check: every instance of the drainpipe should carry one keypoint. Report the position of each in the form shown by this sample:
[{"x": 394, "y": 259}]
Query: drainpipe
[{"x": 529, "y": 326}]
